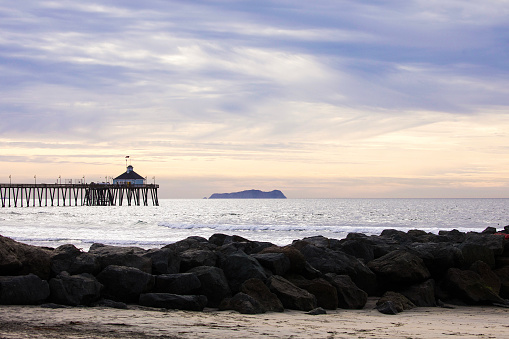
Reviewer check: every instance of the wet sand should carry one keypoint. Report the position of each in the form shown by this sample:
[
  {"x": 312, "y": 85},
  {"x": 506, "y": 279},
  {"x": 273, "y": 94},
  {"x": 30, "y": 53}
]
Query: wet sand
[{"x": 139, "y": 322}]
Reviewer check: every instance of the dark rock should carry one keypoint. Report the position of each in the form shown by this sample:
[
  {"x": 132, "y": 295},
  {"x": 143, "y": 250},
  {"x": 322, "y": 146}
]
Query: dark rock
[
  {"x": 122, "y": 283},
  {"x": 317, "y": 311},
  {"x": 23, "y": 290},
  {"x": 489, "y": 230},
  {"x": 494, "y": 242},
  {"x": 249, "y": 194},
  {"x": 326, "y": 294},
  {"x": 387, "y": 307},
  {"x": 242, "y": 303},
  {"x": 399, "y": 236},
  {"x": 110, "y": 303},
  {"x": 81, "y": 289},
  {"x": 239, "y": 267},
  {"x": 290, "y": 295},
  {"x": 421, "y": 295},
  {"x": 220, "y": 239},
  {"x": 277, "y": 263},
  {"x": 399, "y": 301},
  {"x": 321, "y": 241},
  {"x": 474, "y": 252},
  {"x": 328, "y": 261},
  {"x": 197, "y": 257},
  {"x": 503, "y": 274},
  {"x": 173, "y": 301},
  {"x": 349, "y": 295},
  {"x": 193, "y": 242},
  {"x": 259, "y": 291},
  {"x": 453, "y": 236},
  {"x": 164, "y": 261},
  {"x": 21, "y": 259},
  {"x": 361, "y": 248},
  {"x": 70, "y": 259},
  {"x": 470, "y": 287},
  {"x": 297, "y": 260},
  {"x": 214, "y": 284},
  {"x": 489, "y": 277},
  {"x": 121, "y": 256},
  {"x": 179, "y": 283},
  {"x": 399, "y": 268},
  {"x": 439, "y": 257}
]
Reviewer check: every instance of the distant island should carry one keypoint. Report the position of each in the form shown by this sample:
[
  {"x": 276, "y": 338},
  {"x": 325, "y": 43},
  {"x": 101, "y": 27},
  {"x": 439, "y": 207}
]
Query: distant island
[{"x": 249, "y": 194}]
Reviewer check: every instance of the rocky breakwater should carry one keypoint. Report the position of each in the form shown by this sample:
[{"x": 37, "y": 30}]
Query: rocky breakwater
[{"x": 404, "y": 270}]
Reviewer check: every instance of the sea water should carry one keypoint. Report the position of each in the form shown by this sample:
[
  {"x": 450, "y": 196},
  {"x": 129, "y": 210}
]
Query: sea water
[{"x": 276, "y": 221}]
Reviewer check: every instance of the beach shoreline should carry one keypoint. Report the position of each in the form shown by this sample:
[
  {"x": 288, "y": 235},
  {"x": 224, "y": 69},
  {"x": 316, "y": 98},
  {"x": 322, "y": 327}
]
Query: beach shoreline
[{"x": 142, "y": 322}]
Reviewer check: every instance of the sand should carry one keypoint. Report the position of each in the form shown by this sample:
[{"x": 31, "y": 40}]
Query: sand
[{"x": 139, "y": 322}]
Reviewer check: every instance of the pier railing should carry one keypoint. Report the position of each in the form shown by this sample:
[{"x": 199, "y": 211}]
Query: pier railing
[{"x": 14, "y": 195}]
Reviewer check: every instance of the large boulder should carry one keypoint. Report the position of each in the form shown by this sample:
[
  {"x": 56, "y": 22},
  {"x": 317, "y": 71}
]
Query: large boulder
[
  {"x": 438, "y": 257},
  {"x": 195, "y": 257},
  {"x": 193, "y": 242},
  {"x": 326, "y": 294},
  {"x": 70, "y": 259},
  {"x": 173, "y": 301},
  {"x": 242, "y": 303},
  {"x": 297, "y": 260},
  {"x": 239, "y": 267},
  {"x": 329, "y": 261},
  {"x": 214, "y": 284},
  {"x": 122, "y": 283},
  {"x": 422, "y": 294},
  {"x": 178, "y": 283},
  {"x": 474, "y": 252},
  {"x": 164, "y": 261},
  {"x": 349, "y": 295},
  {"x": 122, "y": 256},
  {"x": 21, "y": 259},
  {"x": 399, "y": 268},
  {"x": 503, "y": 274},
  {"x": 277, "y": 263},
  {"x": 81, "y": 289},
  {"x": 495, "y": 242},
  {"x": 291, "y": 296},
  {"x": 259, "y": 291},
  {"x": 489, "y": 277},
  {"x": 23, "y": 290},
  {"x": 470, "y": 287}
]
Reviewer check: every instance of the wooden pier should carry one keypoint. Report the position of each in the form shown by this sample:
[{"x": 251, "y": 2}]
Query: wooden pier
[{"x": 26, "y": 195}]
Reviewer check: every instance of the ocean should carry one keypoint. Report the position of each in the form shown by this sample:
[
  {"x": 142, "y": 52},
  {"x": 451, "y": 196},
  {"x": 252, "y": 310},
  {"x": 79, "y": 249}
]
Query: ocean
[{"x": 277, "y": 221}]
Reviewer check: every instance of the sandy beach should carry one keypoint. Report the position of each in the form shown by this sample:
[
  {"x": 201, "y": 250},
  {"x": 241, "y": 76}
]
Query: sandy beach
[{"x": 139, "y": 322}]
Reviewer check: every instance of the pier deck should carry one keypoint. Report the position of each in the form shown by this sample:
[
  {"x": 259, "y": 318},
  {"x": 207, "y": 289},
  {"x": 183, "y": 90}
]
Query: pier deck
[{"x": 14, "y": 195}]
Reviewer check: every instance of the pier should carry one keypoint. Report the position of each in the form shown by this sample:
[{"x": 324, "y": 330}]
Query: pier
[{"x": 26, "y": 195}]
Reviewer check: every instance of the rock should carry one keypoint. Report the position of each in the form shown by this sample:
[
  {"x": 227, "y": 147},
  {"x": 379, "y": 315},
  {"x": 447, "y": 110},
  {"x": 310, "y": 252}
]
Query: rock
[
  {"x": 470, "y": 287},
  {"x": 277, "y": 263},
  {"x": 110, "y": 303},
  {"x": 164, "y": 261},
  {"x": 249, "y": 194},
  {"x": 125, "y": 284},
  {"x": 121, "y": 256},
  {"x": 387, "y": 307},
  {"x": 361, "y": 248},
  {"x": 297, "y": 260},
  {"x": 70, "y": 259},
  {"x": 321, "y": 241},
  {"x": 173, "y": 301},
  {"x": 399, "y": 236},
  {"x": 214, "y": 284},
  {"x": 421, "y": 295},
  {"x": 489, "y": 230},
  {"x": 328, "y": 261},
  {"x": 239, "y": 267},
  {"x": 439, "y": 257},
  {"x": 399, "y": 268},
  {"x": 197, "y": 257},
  {"x": 259, "y": 291},
  {"x": 503, "y": 274},
  {"x": 242, "y": 303},
  {"x": 454, "y": 236},
  {"x": 23, "y": 290},
  {"x": 290, "y": 295},
  {"x": 399, "y": 301},
  {"x": 495, "y": 242},
  {"x": 317, "y": 311},
  {"x": 486, "y": 274},
  {"x": 21, "y": 259},
  {"x": 326, "y": 294},
  {"x": 81, "y": 289},
  {"x": 220, "y": 239},
  {"x": 178, "y": 283},
  {"x": 474, "y": 252},
  {"x": 193, "y": 242},
  {"x": 349, "y": 295}
]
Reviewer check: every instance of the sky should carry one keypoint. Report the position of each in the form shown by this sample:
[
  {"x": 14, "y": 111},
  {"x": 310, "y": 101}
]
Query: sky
[{"x": 319, "y": 99}]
